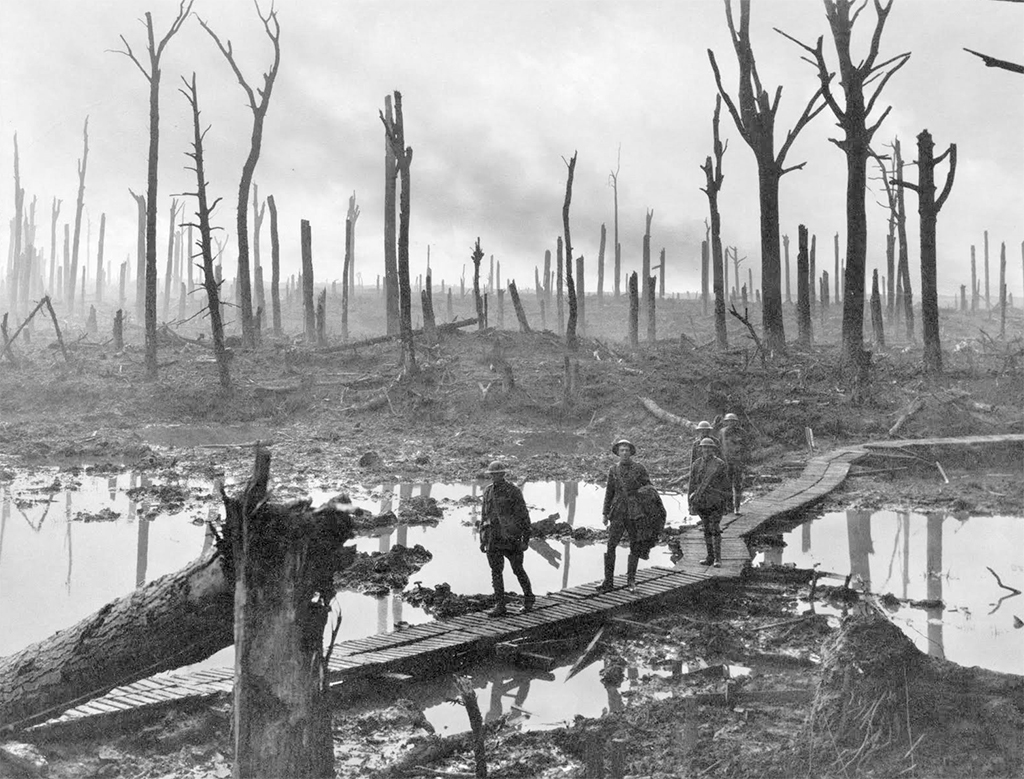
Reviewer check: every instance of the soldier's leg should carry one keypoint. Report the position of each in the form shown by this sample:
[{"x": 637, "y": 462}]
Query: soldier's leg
[
  {"x": 516, "y": 561},
  {"x": 497, "y": 562},
  {"x": 616, "y": 529},
  {"x": 708, "y": 540},
  {"x": 715, "y": 526}
]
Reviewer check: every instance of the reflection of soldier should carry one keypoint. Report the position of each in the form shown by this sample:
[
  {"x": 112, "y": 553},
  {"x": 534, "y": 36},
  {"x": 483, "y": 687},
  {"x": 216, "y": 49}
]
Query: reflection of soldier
[
  {"x": 501, "y": 687},
  {"x": 735, "y": 442},
  {"x": 622, "y": 510},
  {"x": 709, "y": 497},
  {"x": 505, "y": 532}
]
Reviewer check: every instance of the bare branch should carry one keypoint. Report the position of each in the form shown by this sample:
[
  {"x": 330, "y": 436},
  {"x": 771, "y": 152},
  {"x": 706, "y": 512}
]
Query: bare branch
[
  {"x": 951, "y": 151},
  {"x": 131, "y": 55},
  {"x": 992, "y": 62}
]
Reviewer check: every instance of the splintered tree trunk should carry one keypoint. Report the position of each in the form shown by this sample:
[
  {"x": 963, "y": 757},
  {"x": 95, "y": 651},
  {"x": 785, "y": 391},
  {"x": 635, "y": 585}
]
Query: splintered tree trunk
[
  {"x": 391, "y": 296},
  {"x": 100, "y": 281},
  {"x": 559, "y": 276},
  {"x": 79, "y": 205},
  {"x": 1002, "y": 290},
  {"x": 344, "y": 279},
  {"x": 547, "y": 275},
  {"x": 903, "y": 270},
  {"x": 600, "y": 264},
  {"x": 570, "y": 330},
  {"x": 517, "y": 304},
  {"x": 974, "y": 281},
  {"x": 169, "y": 268},
  {"x": 877, "y": 324},
  {"x": 803, "y": 296},
  {"x": 284, "y": 560},
  {"x": 652, "y": 333},
  {"x": 704, "y": 277},
  {"x": 890, "y": 262},
  {"x": 581, "y": 297},
  {"x": 645, "y": 261},
  {"x": 118, "y": 330},
  {"x": 478, "y": 301},
  {"x": 321, "y": 318},
  {"x": 275, "y": 267},
  {"x": 988, "y": 290},
  {"x": 634, "y": 312},
  {"x": 771, "y": 281},
  {"x": 307, "y": 281}
]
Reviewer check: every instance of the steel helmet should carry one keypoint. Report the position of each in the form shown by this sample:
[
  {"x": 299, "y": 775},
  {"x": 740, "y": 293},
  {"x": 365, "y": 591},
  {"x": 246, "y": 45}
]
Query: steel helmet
[
  {"x": 708, "y": 442},
  {"x": 704, "y": 425}
]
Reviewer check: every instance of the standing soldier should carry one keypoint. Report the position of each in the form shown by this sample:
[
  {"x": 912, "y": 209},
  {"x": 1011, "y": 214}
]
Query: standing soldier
[
  {"x": 505, "y": 532},
  {"x": 709, "y": 497},
  {"x": 704, "y": 430},
  {"x": 622, "y": 511},
  {"x": 735, "y": 443}
]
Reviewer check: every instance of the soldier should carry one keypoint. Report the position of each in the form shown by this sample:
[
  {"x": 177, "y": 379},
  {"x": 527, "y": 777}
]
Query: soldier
[
  {"x": 704, "y": 430},
  {"x": 505, "y": 532},
  {"x": 709, "y": 497},
  {"x": 735, "y": 443},
  {"x": 622, "y": 511}
]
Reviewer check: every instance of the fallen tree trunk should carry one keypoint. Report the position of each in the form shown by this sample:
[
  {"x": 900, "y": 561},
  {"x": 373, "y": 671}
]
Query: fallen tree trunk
[
  {"x": 178, "y": 619},
  {"x": 665, "y": 416},
  {"x": 380, "y": 339}
]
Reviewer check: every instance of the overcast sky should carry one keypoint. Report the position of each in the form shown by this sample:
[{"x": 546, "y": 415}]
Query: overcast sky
[{"x": 496, "y": 94}]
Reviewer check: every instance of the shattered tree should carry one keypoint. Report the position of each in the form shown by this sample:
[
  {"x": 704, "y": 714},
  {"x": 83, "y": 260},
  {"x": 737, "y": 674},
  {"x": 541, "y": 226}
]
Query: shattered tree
[{"x": 713, "y": 175}]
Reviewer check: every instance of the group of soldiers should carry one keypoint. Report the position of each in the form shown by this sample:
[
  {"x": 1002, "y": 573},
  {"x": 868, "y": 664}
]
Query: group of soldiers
[{"x": 632, "y": 507}]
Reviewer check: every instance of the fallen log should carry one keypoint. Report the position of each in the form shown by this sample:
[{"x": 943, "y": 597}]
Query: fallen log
[
  {"x": 912, "y": 409},
  {"x": 178, "y": 619},
  {"x": 664, "y": 416},
  {"x": 380, "y": 339}
]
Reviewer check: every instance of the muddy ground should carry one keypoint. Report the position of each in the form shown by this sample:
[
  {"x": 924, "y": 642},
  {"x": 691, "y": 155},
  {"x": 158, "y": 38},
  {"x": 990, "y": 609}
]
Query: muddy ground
[{"x": 482, "y": 395}]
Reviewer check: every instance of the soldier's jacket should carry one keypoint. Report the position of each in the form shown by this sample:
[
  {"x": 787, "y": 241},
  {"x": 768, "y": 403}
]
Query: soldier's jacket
[
  {"x": 710, "y": 488},
  {"x": 736, "y": 445},
  {"x": 620, "y": 495},
  {"x": 505, "y": 520}
]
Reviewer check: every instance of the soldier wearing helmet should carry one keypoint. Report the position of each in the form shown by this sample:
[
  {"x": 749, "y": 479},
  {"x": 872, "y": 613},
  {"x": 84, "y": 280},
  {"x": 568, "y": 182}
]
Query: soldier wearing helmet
[
  {"x": 623, "y": 511},
  {"x": 505, "y": 532},
  {"x": 734, "y": 439},
  {"x": 709, "y": 497},
  {"x": 704, "y": 430}
]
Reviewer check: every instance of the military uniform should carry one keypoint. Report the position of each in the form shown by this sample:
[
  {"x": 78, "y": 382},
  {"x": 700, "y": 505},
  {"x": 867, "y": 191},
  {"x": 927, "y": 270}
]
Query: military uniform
[
  {"x": 505, "y": 533},
  {"x": 709, "y": 497}
]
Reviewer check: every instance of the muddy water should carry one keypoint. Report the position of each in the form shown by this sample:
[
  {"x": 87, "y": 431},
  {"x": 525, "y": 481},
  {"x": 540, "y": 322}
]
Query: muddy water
[
  {"x": 934, "y": 558},
  {"x": 71, "y": 543}
]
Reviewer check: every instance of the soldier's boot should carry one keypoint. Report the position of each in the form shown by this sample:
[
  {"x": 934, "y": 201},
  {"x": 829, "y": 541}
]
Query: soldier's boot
[
  {"x": 609, "y": 572},
  {"x": 631, "y": 572},
  {"x": 528, "y": 597},
  {"x": 498, "y": 583},
  {"x": 711, "y": 551},
  {"x": 718, "y": 551}
]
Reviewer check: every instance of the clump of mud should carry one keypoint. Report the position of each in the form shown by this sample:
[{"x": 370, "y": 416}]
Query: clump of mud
[{"x": 378, "y": 573}]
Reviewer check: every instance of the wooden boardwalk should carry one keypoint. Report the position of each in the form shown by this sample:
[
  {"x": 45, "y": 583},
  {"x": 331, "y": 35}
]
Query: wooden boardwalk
[{"x": 456, "y": 642}]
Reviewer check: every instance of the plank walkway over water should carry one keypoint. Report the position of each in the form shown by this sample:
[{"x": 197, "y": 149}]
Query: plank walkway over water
[{"x": 429, "y": 647}]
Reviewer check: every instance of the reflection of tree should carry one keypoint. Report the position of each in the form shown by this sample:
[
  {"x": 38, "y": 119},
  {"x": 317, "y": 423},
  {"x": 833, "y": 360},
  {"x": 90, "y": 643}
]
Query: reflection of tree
[
  {"x": 805, "y": 537},
  {"x": 112, "y": 487},
  {"x": 858, "y": 533},
  {"x": 142, "y": 552},
  {"x": 773, "y": 555},
  {"x": 936, "y": 647},
  {"x": 67, "y": 537},
  {"x": 5, "y": 513},
  {"x": 382, "y": 601},
  {"x": 904, "y": 517},
  {"x": 425, "y": 489},
  {"x": 569, "y": 493}
]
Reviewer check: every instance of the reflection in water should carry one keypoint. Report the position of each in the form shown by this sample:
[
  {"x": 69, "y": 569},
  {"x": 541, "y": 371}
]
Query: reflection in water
[{"x": 937, "y": 571}]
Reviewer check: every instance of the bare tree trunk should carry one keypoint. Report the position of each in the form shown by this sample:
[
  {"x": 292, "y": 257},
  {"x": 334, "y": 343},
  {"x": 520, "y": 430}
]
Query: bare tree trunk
[
  {"x": 524, "y": 326},
  {"x": 19, "y": 205},
  {"x": 275, "y": 267},
  {"x": 661, "y": 274},
  {"x": 559, "y": 281},
  {"x": 785, "y": 246},
  {"x": 645, "y": 262},
  {"x": 600, "y": 265},
  {"x": 547, "y": 275},
  {"x": 1002, "y": 286},
  {"x": 169, "y": 269},
  {"x": 571, "y": 341},
  {"x": 284, "y": 560},
  {"x": 614, "y": 176},
  {"x": 54, "y": 213},
  {"x": 344, "y": 279},
  {"x": 704, "y": 277},
  {"x": 79, "y": 205},
  {"x": 478, "y": 301},
  {"x": 307, "y": 281},
  {"x": 210, "y": 281},
  {"x": 877, "y": 324},
  {"x": 390, "y": 258},
  {"x": 259, "y": 102},
  {"x": 258, "y": 211},
  {"x": 652, "y": 333},
  {"x": 988, "y": 295},
  {"x": 974, "y": 281},
  {"x": 634, "y": 312},
  {"x": 581, "y": 297},
  {"x": 99, "y": 259},
  {"x": 714, "y": 177},
  {"x": 321, "y": 318},
  {"x": 803, "y": 296}
]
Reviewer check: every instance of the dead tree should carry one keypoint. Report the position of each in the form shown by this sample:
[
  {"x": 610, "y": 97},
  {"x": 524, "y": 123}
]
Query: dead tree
[
  {"x": 581, "y": 297},
  {"x": 140, "y": 255},
  {"x": 714, "y": 177},
  {"x": 704, "y": 277},
  {"x": 204, "y": 212},
  {"x": 928, "y": 210},
  {"x": 1002, "y": 281},
  {"x": 645, "y": 261},
  {"x": 993, "y": 62},
  {"x": 785, "y": 251},
  {"x": 835, "y": 244},
  {"x": 803, "y": 292},
  {"x": 321, "y": 318},
  {"x": 634, "y": 312},
  {"x": 350, "y": 243},
  {"x": 547, "y": 276},
  {"x": 852, "y": 117},
  {"x": 652, "y": 333},
  {"x": 478, "y": 302},
  {"x": 395, "y": 131},
  {"x": 661, "y": 274},
  {"x": 974, "y": 282},
  {"x": 988, "y": 289},
  {"x": 344, "y": 277},
  {"x": 258, "y": 211},
  {"x": 906, "y": 299},
  {"x": 309, "y": 311},
  {"x": 152, "y": 75},
  {"x": 19, "y": 206},
  {"x": 169, "y": 269},
  {"x": 54, "y": 214},
  {"x": 571, "y": 341},
  {"x": 79, "y": 205},
  {"x": 559, "y": 283},
  {"x": 754, "y": 117},
  {"x": 600, "y": 264},
  {"x": 275, "y": 267},
  {"x": 877, "y": 324},
  {"x": 613, "y": 179},
  {"x": 391, "y": 296},
  {"x": 100, "y": 280},
  {"x": 524, "y": 326},
  {"x": 259, "y": 101},
  {"x": 284, "y": 557}
]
